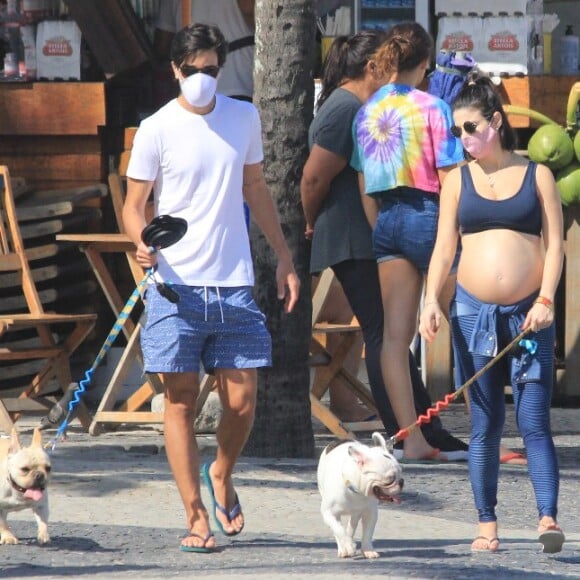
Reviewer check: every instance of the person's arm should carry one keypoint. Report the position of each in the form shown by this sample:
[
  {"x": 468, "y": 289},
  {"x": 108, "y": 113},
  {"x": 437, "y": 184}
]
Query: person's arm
[
  {"x": 540, "y": 315},
  {"x": 447, "y": 149},
  {"x": 248, "y": 10},
  {"x": 443, "y": 172},
  {"x": 370, "y": 204},
  {"x": 442, "y": 257},
  {"x": 134, "y": 219},
  {"x": 263, "y": 211},
  {"x": 321, "y": 167}
]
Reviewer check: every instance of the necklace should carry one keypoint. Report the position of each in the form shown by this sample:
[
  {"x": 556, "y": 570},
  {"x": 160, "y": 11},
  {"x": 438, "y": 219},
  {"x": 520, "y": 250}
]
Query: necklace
[{"x": 493, "y": 175}]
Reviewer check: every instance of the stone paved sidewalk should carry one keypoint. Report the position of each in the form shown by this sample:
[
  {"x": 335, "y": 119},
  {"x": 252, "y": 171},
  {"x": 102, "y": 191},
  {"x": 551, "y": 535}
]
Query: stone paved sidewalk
[{"x": 115, "y": 513}]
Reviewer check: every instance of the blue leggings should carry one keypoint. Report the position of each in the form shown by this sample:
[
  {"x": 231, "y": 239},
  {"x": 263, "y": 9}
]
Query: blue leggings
[{"x": 531, "y": 400}]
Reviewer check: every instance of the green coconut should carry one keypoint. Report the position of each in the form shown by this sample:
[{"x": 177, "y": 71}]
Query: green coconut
[
  {"x": 577, "y": 146},
  {"x": 568, "y": 182},
  {"x": 552, "y": 146}
]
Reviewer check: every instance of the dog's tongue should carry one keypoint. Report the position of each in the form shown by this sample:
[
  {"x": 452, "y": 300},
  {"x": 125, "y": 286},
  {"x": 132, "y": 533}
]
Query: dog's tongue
[
  {"x": 33, "y": 494},
  {"x": 390, "y": 499}
]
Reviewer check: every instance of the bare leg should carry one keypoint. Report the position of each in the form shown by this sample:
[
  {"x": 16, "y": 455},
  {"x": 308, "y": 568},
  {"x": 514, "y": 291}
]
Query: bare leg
[
  {"x": 181, "y": 391},
  {"x": 401, "y": 285},
  {"x": 237, "y": 390}
]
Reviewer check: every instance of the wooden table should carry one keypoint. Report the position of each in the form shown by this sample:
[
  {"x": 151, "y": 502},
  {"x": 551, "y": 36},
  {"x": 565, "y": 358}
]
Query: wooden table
[{"x": 94, "y": 246}]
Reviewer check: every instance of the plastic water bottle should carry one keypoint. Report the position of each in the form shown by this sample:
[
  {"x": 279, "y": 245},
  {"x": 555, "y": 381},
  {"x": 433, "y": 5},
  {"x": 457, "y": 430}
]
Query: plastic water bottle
[{"x": 569, "y": 49}]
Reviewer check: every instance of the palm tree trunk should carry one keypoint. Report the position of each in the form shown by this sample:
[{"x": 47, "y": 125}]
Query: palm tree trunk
[{"x": 284, "y": 94}]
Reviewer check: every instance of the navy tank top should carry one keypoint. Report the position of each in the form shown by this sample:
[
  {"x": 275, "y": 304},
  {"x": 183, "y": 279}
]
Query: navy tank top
[{"x": 520, "y": 212}]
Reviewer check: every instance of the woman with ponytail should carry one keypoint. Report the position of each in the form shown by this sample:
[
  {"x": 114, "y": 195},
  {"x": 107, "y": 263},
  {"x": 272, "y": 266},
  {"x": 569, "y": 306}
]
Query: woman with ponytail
[
  {"x": 403, "y": 151},
  {"x": 341, "y": 235},
  {"x": 508, "y": 214}
]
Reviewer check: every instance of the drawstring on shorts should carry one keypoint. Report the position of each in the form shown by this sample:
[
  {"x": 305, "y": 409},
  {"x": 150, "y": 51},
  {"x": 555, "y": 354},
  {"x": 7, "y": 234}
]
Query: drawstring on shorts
[{"x": 219, "y": 302}]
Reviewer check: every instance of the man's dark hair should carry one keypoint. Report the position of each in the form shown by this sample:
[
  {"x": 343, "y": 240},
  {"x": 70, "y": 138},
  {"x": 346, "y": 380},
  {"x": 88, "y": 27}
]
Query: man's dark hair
[{"x": 196, "y": 38}]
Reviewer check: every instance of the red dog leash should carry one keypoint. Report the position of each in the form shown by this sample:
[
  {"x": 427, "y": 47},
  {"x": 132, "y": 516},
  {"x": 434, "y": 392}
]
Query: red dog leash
[{"x": 444, "y": 404}]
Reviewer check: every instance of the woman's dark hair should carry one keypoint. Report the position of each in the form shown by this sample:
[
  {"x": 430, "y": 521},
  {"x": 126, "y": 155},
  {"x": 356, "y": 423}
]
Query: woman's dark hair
[
  {"x": 407, "y": 45},
  {"x": 196, "y": 38},
  {"x": 479, "y": 93},
  {"x": 347, "y": 59}
]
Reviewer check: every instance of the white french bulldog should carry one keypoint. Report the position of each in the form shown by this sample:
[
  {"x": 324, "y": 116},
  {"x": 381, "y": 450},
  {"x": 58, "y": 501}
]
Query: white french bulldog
[
  {"x": 24, "y": 476},
  {"x": 352, "y": 479}
]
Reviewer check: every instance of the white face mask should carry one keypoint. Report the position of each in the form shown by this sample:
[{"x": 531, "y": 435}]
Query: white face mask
[{"x": 198, "y": 89}]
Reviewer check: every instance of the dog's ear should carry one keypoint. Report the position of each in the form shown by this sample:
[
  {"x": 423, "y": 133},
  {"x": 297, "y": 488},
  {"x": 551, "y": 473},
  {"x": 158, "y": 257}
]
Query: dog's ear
[
  {"x": 379, "y": 441},
  {"x": 14, "y": 442},
  {"x": 357, "y": 452},
  {"x": 36, "y": 438}
]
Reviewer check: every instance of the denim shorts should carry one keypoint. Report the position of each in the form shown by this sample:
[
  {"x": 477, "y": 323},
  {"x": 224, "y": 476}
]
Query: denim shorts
[
  {"x": 407, "y": 227},
  {"x": 221, "y": 328}
]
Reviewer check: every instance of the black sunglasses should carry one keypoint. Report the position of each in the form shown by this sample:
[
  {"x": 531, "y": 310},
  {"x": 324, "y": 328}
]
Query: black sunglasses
[
  {"x": 469, "y": 127},
  {"x": 188, "y": 69}
]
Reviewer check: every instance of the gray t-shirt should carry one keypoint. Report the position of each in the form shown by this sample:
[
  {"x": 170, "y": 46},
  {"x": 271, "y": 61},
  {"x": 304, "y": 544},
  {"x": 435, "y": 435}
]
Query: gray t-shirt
[{"x": 341, "y": 231}]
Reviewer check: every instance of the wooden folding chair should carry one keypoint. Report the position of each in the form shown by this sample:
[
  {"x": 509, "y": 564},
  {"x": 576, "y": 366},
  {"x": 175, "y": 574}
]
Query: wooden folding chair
[
  {"x": 332, "y": 369},
  {"x": 49, "y": 353}
]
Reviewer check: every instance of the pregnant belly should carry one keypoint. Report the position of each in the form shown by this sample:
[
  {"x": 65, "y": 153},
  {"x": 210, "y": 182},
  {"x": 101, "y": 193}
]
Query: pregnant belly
[{"x": 500, "y": 266}]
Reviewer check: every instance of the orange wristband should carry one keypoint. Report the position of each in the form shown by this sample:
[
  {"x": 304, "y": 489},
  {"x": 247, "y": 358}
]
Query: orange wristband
[{"x": 545, "y": 301}]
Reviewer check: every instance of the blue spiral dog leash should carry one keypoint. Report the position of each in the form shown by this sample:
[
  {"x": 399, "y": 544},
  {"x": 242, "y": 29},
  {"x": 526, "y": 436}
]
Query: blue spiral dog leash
[
  {"x": 107, "y": 344},
  {"x": 162, "y": 232}
]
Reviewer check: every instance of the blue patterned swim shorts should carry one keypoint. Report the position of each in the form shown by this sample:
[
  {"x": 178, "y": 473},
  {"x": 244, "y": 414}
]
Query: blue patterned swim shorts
[{"x": 221, "y": 328}]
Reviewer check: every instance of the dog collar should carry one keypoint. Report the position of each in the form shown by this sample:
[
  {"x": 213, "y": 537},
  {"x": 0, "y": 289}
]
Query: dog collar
[
  {"x": 15, "y": 485},
  {"x": 350, "y": 486}
]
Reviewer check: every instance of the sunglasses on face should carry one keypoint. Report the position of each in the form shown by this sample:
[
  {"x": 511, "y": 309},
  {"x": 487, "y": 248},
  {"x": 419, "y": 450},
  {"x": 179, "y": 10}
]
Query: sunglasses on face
[
  {"x": 469, "y": 127},
  {"x": 188, "y": 69}
]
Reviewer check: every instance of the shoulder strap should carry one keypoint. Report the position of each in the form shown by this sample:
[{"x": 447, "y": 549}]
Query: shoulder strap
[
  {"x": 241, "y": 43},
  {"x": 530, "y": 176},
  {"x": 466, "y": 181},
  {"x": 465, "y": 176}
]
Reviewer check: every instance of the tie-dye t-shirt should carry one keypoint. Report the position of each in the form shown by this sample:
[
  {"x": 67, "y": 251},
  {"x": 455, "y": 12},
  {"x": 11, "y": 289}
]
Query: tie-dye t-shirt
[{"x": 402, "y": 135}]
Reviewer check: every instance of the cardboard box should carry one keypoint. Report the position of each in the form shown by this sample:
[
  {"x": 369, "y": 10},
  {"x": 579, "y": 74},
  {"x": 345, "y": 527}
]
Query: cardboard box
[
  {"x": 499, "y": 44},
  {"x": 460, "y": 33},
  {"x": 505, "y": 45},
  {"x": 58, "y": 50},
  {"x": 491, "y": 7}
]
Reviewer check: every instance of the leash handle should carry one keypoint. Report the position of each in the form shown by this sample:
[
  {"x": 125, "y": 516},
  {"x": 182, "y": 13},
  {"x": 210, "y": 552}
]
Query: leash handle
[{"x": 444, "y": 404}]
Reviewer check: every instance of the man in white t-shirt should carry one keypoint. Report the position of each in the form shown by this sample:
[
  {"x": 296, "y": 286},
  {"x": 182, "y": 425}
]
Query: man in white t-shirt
[
  {"x": 235, "y": 18},
  {"x": 201, "y": 155}
]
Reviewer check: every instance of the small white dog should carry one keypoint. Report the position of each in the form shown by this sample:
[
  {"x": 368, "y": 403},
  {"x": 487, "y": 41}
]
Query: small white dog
[
  {"x": 24, "y": 476},
  {"x": 352, "y": 479}
]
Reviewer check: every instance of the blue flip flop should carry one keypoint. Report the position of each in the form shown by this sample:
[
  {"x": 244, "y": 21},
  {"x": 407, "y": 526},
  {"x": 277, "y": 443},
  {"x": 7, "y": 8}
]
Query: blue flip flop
[
  {"x": 230, "y": 515},
  {"x": 200, "y": 549}
]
